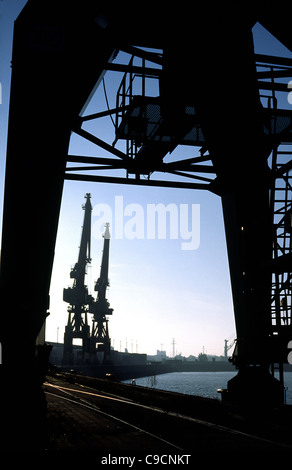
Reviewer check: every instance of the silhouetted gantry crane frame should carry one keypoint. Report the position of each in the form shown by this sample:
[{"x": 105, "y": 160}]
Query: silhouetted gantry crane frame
[
  {"x": 150, "y": 133},
  {"x": 210, "y": 82}
]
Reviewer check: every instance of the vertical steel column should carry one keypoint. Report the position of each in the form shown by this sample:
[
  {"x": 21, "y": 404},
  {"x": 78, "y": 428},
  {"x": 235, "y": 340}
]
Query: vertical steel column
[
  {"x": 222, "y": 85},
  {"x": 52, "y": 76}
]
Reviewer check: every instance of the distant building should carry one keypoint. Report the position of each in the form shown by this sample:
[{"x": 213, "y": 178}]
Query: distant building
[{"x": 158, "y": 357}]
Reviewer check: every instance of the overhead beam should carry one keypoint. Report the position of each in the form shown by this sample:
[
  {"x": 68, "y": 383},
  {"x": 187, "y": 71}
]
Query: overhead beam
[
  {"x": 273, "y": 60},
  {"x": 135, "y": 181},
  {"x": 150, "y": 56},
  {"x": 151, "y": 71}
]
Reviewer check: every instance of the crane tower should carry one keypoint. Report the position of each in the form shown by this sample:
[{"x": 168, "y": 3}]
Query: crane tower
[
  {"x": 77, "y": 296},
  {"x": 100, "y": 340}
]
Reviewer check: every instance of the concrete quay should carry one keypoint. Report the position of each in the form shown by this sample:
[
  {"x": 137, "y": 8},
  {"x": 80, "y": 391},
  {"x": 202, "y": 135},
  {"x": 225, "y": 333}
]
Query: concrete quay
[{"x": 103, "y": 419}]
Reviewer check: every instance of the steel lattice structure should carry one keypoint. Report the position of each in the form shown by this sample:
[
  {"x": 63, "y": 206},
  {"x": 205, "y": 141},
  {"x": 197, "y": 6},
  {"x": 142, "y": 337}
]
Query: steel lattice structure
[{"x": 214, "y": 93}]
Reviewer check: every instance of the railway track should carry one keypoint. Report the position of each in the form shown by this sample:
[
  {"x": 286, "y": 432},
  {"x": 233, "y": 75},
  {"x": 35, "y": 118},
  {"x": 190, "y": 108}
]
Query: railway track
[{"x": 145, "y": 427}]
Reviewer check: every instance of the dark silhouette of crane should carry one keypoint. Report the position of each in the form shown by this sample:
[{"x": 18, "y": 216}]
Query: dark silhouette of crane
[
  {"x": 100, "y": 340},
  {"x": 59, "y": 58},
  {"x": 77, "y": 296}
]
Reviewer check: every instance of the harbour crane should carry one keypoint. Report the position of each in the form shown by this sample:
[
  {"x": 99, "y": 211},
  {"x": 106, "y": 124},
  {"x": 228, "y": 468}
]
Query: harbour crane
[
  {"x": 77, "y": 296},
  {"x": 100, "y": 340}
]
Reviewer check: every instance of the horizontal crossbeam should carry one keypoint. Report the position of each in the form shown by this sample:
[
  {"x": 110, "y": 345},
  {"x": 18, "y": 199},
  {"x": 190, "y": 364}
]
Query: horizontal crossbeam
[{"x": 135, "y": 181}]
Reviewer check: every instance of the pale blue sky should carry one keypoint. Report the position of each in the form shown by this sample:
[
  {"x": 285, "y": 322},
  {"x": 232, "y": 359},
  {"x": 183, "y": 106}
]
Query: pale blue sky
[{"x": 158, "y": 291}]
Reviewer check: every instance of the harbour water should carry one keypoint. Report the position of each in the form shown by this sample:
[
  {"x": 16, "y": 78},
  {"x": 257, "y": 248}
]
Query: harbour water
[{"x": 203, "y": 384}]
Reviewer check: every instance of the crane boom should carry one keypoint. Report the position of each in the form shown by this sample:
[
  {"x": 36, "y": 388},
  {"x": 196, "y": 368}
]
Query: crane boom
[
  {"x": 79, "y": 270},
  {"x": 102, "y": 282}
]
